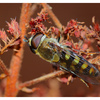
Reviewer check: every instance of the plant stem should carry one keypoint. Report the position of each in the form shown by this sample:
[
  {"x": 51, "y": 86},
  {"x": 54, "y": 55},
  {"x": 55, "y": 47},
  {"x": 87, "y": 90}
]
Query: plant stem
[
  {"x": 15, "y": 65},
  {"x": 52, "y": 15},
  {"x": 6, "y": 46},
  {"x": 40, "y": 79},
  {"x": 3, "y": 68}
]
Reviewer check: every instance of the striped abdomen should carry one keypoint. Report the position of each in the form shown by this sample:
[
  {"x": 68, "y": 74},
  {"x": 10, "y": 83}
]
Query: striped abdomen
[{"x": 79, "y": 66}]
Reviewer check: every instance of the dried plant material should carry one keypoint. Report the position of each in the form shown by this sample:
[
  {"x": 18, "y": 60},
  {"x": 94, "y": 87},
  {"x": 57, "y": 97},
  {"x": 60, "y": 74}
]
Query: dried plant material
[
  {"x": 15, "y": 32},
  {"x": 14, "y": 29},
  {"x": 27, "y": 90},
  {"x": 3, "y": 36},
  {"x": 3, "y": 68}
]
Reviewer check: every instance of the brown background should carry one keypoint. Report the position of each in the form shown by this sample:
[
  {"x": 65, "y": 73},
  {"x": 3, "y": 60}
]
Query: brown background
[{"x": 33, "y": 66}]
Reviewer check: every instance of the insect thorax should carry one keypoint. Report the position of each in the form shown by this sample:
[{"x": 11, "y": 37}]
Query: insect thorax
[{"x": 46, "y": 51}]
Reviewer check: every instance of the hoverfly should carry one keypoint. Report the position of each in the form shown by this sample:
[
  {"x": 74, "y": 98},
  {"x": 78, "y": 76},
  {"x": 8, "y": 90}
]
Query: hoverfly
[{"x": 52, "y": 51}]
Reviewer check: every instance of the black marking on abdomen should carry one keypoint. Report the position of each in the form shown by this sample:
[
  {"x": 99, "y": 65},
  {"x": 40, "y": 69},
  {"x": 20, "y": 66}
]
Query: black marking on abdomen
[
  {"x": 69, "y": 61},
  {"x": 78, "y": 66},
  {"x": 86, "y": 70}
]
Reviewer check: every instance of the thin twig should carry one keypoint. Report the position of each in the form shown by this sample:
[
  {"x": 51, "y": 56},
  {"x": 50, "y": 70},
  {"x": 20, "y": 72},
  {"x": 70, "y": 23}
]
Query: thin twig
[
  {"x": 52, "y": 15},
  {"x": 6, "y": 46},
  {"x": 40, "y": 79},
  {"x": 15, "y": 65},
  {"x": 4, "y": 68},
  {"x": 33, "y": 9},
  {"x": 27, "y": 90}
]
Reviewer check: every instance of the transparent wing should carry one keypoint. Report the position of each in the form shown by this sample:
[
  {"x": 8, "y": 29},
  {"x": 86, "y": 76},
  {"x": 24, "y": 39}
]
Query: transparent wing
[
  {"x": 89, "y": 79},
  {"x": 86, "y": 77}
]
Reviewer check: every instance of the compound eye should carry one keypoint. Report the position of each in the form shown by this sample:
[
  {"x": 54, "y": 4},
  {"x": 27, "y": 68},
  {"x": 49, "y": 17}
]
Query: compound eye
[{"x": 36, "y": 40}]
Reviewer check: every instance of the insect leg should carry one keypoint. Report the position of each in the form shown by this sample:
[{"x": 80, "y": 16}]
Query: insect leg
[{"x": 84, "y": 82}]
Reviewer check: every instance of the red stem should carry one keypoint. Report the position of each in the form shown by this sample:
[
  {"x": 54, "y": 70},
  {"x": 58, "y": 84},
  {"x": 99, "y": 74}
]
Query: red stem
[
  {"x": 3, "y": 68},
  {"x": 42, "y": 78},
  {"x": 15, "y": 65},
  {"x": 52, "y": 15}
]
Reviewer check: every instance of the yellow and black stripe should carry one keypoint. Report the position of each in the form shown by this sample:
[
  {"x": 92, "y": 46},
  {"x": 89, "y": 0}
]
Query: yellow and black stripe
[
  {"x": 77, "y": 63},
  {"x": 66, "y": 57}
]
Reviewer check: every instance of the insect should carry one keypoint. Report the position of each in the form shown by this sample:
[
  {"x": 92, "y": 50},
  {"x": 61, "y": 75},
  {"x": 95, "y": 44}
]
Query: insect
[{"x": 52, "y": 51}]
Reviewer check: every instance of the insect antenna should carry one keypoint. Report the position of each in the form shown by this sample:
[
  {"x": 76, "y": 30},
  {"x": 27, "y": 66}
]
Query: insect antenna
[{"x": 26, "y": 39}]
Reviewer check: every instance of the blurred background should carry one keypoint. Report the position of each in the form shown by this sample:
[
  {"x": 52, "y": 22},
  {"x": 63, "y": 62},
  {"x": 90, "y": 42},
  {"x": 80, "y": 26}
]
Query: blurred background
[{"x": 33, "y": 66}]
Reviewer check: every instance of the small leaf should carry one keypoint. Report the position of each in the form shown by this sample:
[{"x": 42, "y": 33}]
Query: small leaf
[
  {"x": 14, "y": 29},
  {"x": 3, "y": 36}
]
